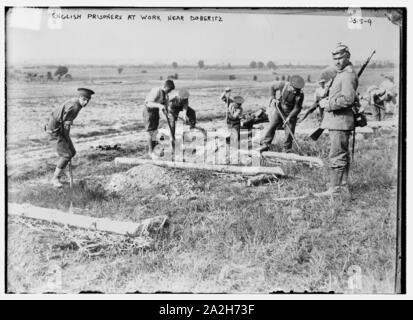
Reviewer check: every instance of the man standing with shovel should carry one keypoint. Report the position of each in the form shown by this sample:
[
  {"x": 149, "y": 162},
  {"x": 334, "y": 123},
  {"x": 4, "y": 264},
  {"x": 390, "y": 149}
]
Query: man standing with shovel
[
  {"x": 58, "y": 128},
  {"x": 155, "y": 100}
]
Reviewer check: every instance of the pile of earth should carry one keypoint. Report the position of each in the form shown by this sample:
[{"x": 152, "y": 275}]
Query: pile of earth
[{"x": 141, "y": 177}]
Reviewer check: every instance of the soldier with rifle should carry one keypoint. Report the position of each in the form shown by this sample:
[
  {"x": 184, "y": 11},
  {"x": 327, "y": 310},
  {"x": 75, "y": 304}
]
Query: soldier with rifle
[{"x": 339, "y": 120}]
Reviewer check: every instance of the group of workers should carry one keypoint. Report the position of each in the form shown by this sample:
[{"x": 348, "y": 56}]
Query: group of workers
[{"x": 333, "y": 102}]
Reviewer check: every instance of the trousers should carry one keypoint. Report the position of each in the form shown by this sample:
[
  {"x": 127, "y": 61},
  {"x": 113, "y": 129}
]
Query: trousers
[{"x": 276, "y": 122}]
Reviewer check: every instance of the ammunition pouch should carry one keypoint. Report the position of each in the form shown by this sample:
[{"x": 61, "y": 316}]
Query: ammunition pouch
[{"x": 360, "y": 119}]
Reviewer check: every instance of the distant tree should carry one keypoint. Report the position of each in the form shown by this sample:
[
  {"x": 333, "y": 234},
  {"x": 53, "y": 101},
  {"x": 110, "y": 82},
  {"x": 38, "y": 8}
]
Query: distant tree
[
  {"x": 61, "y": 71},
  {"x": 254, "y": 78},
  {"x": 253, "y": 64},
  {"x": 260, "y": 65},
  {"x": 201, "y": 64},
  {"x": 174, "y": 65},
  {"x": 288, "y": 78},
  {"x": 49, "y": 76},
  {"x": 232, "y": 77},
  {"x": 271, "y": 65},
  {"x": 68, "y": 76},
  {"x": 277, "y": 78},
  {"x": 120, "y": 69},
  {"x": 229, "y": 66},
  {"x": 283, "y": 78},
  {"x": 309, "y": 78}
]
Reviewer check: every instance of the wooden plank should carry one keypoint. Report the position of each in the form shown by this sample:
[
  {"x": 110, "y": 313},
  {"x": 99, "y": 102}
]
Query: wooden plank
[
  {"x": 253, "y": 170},
  {"x": 294, "y": 157},
  {"x": 382, "y": 124},
  {"x": 86, "y": 222}
]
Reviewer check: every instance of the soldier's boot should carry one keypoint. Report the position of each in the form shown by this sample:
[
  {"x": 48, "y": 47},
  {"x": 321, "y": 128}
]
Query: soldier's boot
[
  {"x": 335, "y": 185},
  {"x": 55, "y": 180},
  {"x": 344, "y": 182}
]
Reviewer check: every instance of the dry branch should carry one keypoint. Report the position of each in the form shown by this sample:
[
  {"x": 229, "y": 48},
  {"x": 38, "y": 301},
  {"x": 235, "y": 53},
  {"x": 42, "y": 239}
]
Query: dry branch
[
  {"x": 199, "y": 166},
  {"x": 86, "y": 222}
]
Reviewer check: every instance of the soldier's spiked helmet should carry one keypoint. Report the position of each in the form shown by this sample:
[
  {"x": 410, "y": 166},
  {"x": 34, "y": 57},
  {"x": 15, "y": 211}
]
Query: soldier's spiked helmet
[{"x": 340, "y": 50}]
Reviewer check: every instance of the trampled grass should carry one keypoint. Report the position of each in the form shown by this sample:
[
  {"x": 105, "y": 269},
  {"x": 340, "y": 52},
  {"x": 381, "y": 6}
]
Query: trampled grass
[{"x": 225, "y": 236}]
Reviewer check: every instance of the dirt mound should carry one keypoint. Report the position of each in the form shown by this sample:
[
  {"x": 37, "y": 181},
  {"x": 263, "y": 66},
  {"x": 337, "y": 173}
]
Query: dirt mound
[{"x": 145, "y": 176}]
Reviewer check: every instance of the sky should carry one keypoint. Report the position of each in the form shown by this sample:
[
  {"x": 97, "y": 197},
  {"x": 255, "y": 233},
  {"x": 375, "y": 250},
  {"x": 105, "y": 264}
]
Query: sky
[{"x": 35, "y": 36}]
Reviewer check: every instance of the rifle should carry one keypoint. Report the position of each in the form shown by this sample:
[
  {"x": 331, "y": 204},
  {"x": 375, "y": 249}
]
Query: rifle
[{"x": 317, "y": 132}]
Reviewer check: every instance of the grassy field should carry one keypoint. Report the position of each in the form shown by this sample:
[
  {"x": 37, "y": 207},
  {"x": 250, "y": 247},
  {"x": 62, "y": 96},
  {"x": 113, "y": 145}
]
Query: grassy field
[{"x": 223, "y": 236}]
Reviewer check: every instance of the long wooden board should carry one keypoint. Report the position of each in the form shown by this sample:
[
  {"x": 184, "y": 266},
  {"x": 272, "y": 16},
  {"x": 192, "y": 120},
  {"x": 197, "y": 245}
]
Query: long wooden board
[{"x": 253, "y": 170}]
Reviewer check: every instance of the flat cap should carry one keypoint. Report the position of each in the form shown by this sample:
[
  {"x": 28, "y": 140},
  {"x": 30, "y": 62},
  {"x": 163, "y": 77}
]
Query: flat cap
[
  {"x": 87, "y": 93},
  {"x": 297, "y": 81},
  {"x": 169, "y": 84},
  {"x": 322, "y": 81},
  {"x": 183, "y": 93},
  {"x": 238, "y": 99},
  {"x": 340, "y": 51}
]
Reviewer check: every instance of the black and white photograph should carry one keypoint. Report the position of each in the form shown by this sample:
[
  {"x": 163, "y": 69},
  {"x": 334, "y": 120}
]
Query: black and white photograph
[{"x": 196, "y": 150}]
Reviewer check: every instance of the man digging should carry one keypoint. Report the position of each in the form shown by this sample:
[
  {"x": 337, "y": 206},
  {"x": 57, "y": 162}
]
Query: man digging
[
  {"x": 156, "y": 99},
  {"x": 177, "y": 103},
  {"x": 58, "y": 128},
  {"x": 233, "y": 119},
  {"x": 290, "y": 103},
  {"x": 319, "y": 94}
]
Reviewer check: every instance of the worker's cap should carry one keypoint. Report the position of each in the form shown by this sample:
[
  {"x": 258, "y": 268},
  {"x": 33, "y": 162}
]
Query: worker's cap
[
  {"x": 183, "y": 94},
  {"x": 238, "y": 99},
  {"x": 340, "y": 51},
  {"x": 322, "y": 81},
  {"x": 297, "y": 81},
  {"x": 169, "y": 84},
  {"x": 87, "y": 93}
]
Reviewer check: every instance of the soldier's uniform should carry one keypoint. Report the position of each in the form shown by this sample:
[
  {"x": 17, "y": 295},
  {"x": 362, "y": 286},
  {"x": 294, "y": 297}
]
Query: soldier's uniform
[
  {"x": 390, "y": 98},
  {"x": 234, "y": 114},
  {"x": 376, "y": 100},
  {"x": 58, "y": 128},
  {"x": 291, "y": 98},
  {"x": 156, "y": 98},
  {"x": 318, "y": 95},
  {"x": 339, "y": 120},
  {"x": 180, "y": 102}
]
